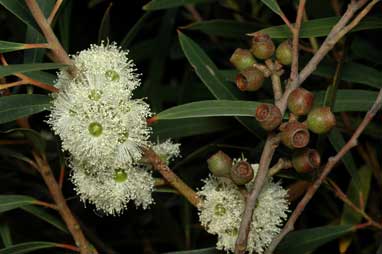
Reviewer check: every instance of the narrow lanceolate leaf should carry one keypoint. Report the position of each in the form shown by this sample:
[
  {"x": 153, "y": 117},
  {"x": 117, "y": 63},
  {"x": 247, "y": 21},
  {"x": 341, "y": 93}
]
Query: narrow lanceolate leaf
[
  {"x": 21, "y": 105},
  {"x": 303, "y": 241},
  {"x": 348, "y": 100},
  {"x": 224, "y": 28},
  {"x": 211, "y": 250},
  {"x": 14, "y": 68},
  {"x": 212, "y": 79},
  {"x": 5, "y": 234},
  {"x": 355, "y": 194},
  {"x": 45, "y": 216},
  {"x": 320, "y": 27},
  {"x": 210, "y": 108},
  {"x": 9, "y": 202},
  {"x": 353, "y": 72},
  {"x": 7, "y": 46},
  {"x": 205, "y": 69},
  {"x": 273, "y": 5},
  {"x": 337, "y": 140},
  {"x": 125, "y": 43},
  {"x": 20, "y": 10},
  {"x": 189, "y": 127},
  {"x": 166, "y": 4},
  {"x": 42, "y": 76},
  {"x": 104, "y": 28},
  {"x": 27, "y": 247}
]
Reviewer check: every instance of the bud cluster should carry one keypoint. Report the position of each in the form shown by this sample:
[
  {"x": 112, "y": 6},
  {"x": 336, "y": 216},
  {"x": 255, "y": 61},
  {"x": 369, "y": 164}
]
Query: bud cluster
[{"x": 294, "y": 134}]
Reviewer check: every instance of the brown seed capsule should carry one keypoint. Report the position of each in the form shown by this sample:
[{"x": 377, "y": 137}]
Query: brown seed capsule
[
  {"x": 220, "y": 164},
  {"x": 268, "y": 116},
  {"x": 284, "y": 52},
  {"x": 300, "y": 101},
  {"x": 250, "y": 79},
  {"x": 294, "y": 135},
  {"x": 242, "y": 59},
  {"x": 242, "y": 173},
  {"x": 321, "y": 120},
  {"x": 262, "y": 46},
  {"x": 305, "y": 160}
]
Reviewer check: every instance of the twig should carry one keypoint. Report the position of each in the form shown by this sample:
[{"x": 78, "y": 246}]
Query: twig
[
  {"x": 55, "y": 191},
  {"x": 289, "y": 226},
  {"x": 295, "y": 44},
  {"x": 55, "y": 46},
  {"x": 194, "y": 12},
  {"x": 341, "y": 195},
  {"x": 24, "y": 80},
  {"x": 270, "y": 146},
  {"x": 54, "y": 11},
  {"x": 286, "y": 21},
  {"x": 45, "y": 204},
  {"x": 171, "y": 178},
  {"x": 280, "y": 165}
]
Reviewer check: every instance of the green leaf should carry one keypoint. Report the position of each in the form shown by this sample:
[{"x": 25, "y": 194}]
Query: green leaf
[
  {"x": 224, "y": 28},
  {"x": 211, "y": 77},
  {"x": 5, "y": 234},
  {"x": 27, "y": 247},
  {"x": 320, "y": 27},
  {"x": 10, "y": 202},
  {"x": 13, "y": 68},
  {"x": 338, "y": 141},
  {"x": 44, "y": 215},
  {"x": 354, "y": 193},
  {"x": 15, "y": 106},
  {"x": 273, "y": 5},
  {"x": 129, "y": 37},
  {"x": 353, "y": 72},
  {"x": 6, "y": 46},
  {"x": 209, "y": 108},
  {"x": 306, "y": 240},
  {"x": 348, "y": 100},
  {"x": 166, "y": 4},
  {"x": 104, "y": 28},
  {"x": 42, "y": 76},
  {"x": 211, "y": 250},
  {"x": 20, "y": 10},
  {"x": 189, "y": 127}
]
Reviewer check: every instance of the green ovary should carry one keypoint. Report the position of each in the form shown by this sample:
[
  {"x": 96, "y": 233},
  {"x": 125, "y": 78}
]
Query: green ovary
[
  {"x": 219, "y": 210},
  {"x": 120, "y": 176},
  {"x": 95, "y": 129},
  {"x": 95, "y": 95},
  {"x": 112, "y": 75}
]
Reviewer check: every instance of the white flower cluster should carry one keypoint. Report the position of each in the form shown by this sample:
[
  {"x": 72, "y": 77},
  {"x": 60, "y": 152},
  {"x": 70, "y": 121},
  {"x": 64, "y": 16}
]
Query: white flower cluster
[
  {"x": 223, "y": 206},
  {"x": 104, "y": 129}
]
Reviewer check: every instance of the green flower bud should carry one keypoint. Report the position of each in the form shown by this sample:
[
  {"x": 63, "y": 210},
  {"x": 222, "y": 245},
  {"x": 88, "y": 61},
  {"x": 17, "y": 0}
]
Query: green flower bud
[
  {"x": 284, "y": 52},
  {"x": 220, "y": 164},
  {"x": 321, "y": 120},
  {"x": 242, "y": 59}
]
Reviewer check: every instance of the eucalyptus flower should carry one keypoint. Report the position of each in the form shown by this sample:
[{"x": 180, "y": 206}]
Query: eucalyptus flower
[
  {"x": 111, "y": 194},
  {"x": 223, "y": 205}
]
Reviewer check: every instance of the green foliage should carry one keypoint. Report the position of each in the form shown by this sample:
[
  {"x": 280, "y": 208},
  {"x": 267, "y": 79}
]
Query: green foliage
[{"x": 181, "y": 49}]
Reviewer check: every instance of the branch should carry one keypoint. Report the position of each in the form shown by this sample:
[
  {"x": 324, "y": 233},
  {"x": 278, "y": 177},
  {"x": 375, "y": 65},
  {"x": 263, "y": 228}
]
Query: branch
[
  {"x": 55, "y": 46},
  {"x": 289, "y": 226},
  {"x": 270, "y": 146},
  {"x": 54, "y": 11},
  {"x": 295, "y": 44},
  {"x": 171, "y": 178},
  {"x": 55, "y": 191},
  {"x": 341, "y": 195}
]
